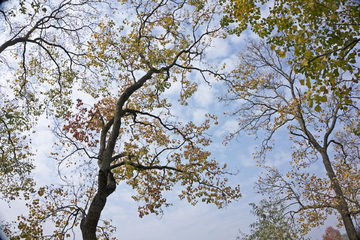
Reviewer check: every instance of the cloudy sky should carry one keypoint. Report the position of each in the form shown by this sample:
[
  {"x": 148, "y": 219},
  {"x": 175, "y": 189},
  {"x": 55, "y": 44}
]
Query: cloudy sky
[{"x": 182, "y": 220}]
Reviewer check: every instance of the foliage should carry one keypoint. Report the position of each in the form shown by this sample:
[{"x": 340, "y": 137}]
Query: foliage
[
  {"x": 271, "y": 224},
  {"x": 331, "y": 234},
  {"x": 39, "y": 57},
  {"x": 16, "y": 163},
  {"x": 129, "y": 135},
  {"x": 322, "y": 36},
  {"x": 270, "y": 97},
  {"x": 320, "y": 42}
]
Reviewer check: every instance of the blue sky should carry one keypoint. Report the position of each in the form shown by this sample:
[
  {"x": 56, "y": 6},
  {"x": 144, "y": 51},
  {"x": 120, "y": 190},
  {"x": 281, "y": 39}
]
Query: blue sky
[{"x": 182, "y": 220}]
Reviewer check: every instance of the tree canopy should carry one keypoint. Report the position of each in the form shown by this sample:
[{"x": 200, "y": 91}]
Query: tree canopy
[
  {"x": 129, "y": 133},
  {"x": 331, "y": 234},
  {"x": 270, "y": 98},
  {"x": 271, "y": 224},
  {"x": 323, "y": 37},
  {"x": 305, "y": 71},
  {"x": 40, "y": 55},
  {"x": 101, "y": 71}
]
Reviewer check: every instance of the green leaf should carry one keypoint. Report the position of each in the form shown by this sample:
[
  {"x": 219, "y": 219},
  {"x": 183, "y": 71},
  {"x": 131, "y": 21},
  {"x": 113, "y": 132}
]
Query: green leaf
[
  {"x": 334, "y": 7},
  {"x": 317, "y": 98},
  {"x": 311, "y": 103},
  {"x": 332, "y": 81},
  {"x": 318, "y": 108},
  {"x": 308, "y": 54},
  {"x": 348, "y": 101}
]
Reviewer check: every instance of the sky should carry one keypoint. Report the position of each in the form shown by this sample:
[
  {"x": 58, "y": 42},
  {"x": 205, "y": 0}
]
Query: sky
[{"x": 182, "y": 220}]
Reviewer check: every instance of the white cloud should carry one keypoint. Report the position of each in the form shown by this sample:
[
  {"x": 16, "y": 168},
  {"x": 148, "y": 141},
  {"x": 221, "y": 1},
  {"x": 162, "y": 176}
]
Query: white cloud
[
  {"x": 199, "y": 116},
  {"x": 246, "y": 160},
  {"x": 204, "y": 97},
  {"x": 220, "y": 48},
  {"x": 228, "y": 127},
  {"x": 278, "y": 157},
  {"x": 182, "y": 221}
]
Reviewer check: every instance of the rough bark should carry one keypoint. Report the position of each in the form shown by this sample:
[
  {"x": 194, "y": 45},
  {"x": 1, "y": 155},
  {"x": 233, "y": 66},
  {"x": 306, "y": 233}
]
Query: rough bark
[
  {"x": 106, "y": 181},
  {"x": 106, "y": 186},
  {"x": 342, "y": 208}
]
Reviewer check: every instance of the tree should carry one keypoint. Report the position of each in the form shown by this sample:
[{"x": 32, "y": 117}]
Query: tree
[
  {"x": 271, "y": 224},
  {"x": 130, "y": 135},
  {"x": 331, "y": 234},
  {"x": 270, "y": 97},
  {"x": 41, "y": 56},
  {"x": 322, "y": 36}
]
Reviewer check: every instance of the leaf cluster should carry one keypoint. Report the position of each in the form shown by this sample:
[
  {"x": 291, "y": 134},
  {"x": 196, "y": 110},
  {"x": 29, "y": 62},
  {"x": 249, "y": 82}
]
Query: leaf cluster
[{"x": 323, "y": 37}]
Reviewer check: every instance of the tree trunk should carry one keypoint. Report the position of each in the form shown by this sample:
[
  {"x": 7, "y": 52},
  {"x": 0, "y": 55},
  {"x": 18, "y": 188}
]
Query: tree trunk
[
  {"x": 106, "y": 186},
  {"x": 343, "y": 207}
]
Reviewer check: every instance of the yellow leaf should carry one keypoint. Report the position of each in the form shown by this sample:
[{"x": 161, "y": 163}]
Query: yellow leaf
[
  {"x": 312, "y": 6},
  {"x": 334, "y": 7},
  {"x": 308, "y": 54},
  {"x": 311, "y": 102}
]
